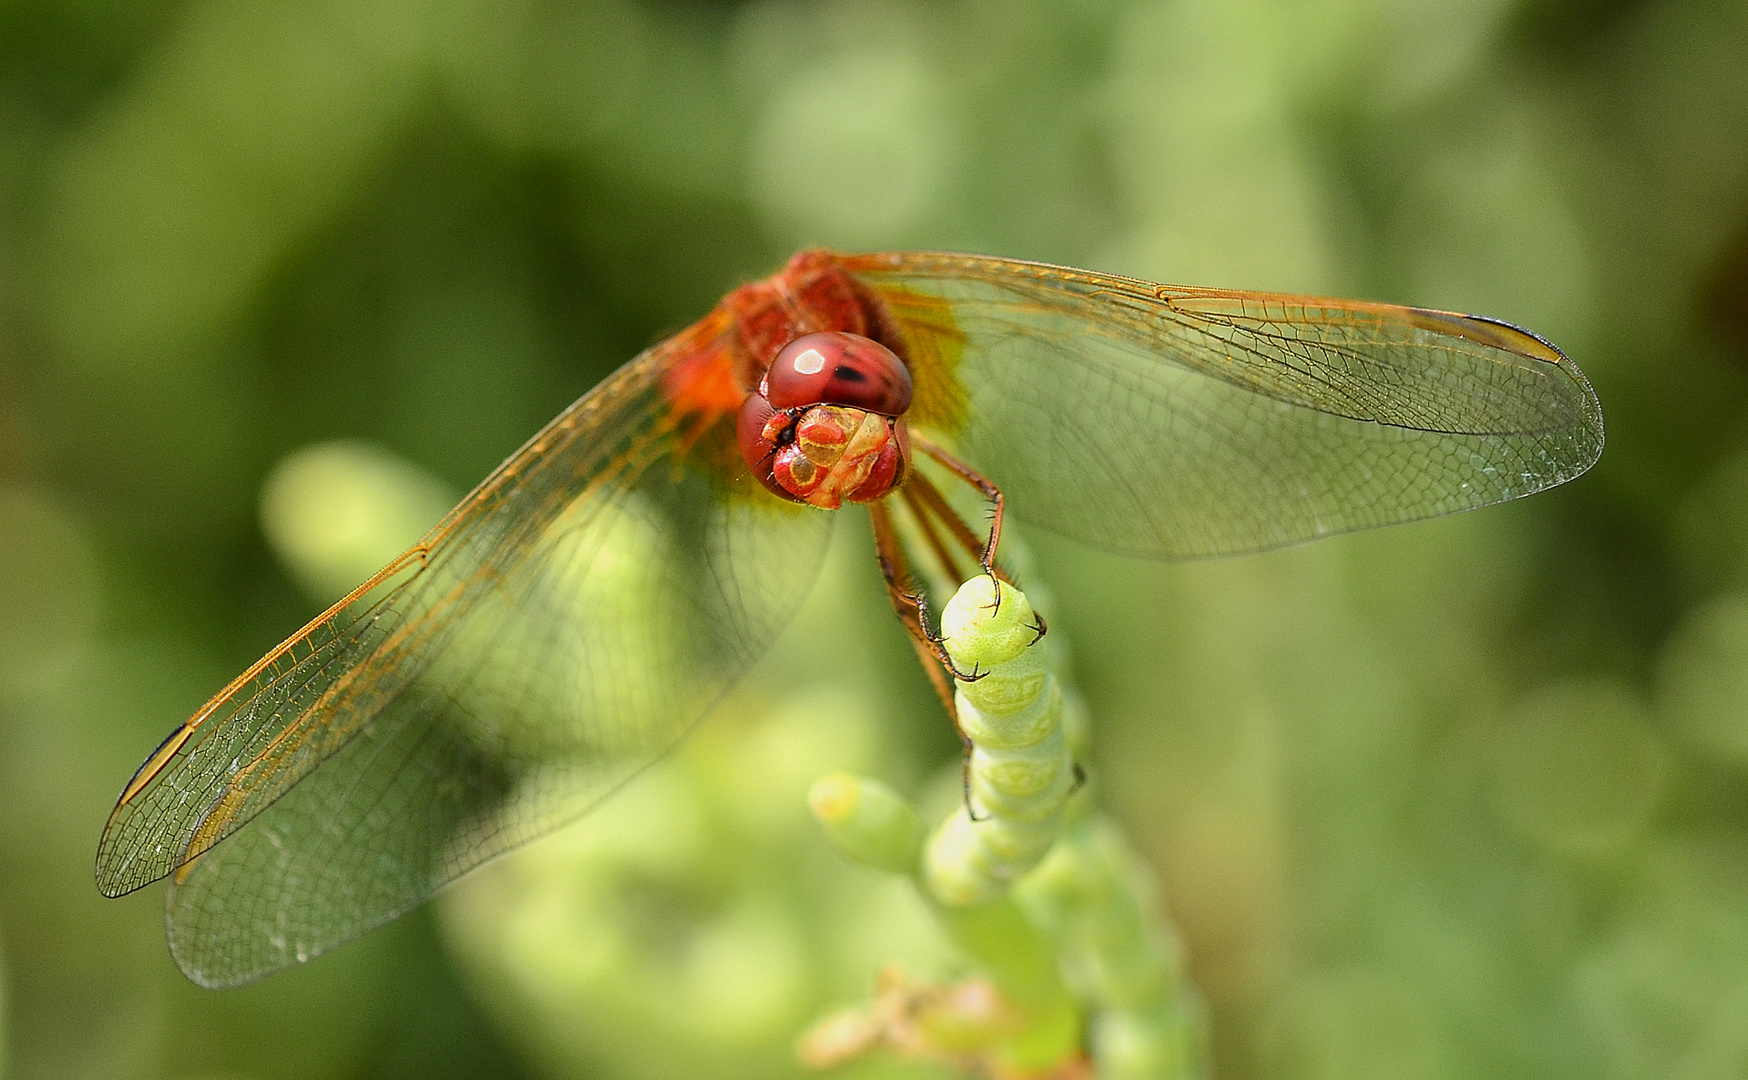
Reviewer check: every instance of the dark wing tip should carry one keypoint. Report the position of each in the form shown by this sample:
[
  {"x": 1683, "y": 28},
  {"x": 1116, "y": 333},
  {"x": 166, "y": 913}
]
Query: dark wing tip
[
  {"x": 1519, "y": 341},
  {"x": 1496, "y": 333},
  {"x": 119, "y": 869}
]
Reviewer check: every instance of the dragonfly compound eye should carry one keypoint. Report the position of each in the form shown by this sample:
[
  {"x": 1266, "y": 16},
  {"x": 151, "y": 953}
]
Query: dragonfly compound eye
[
  {"x": 835, "y": 368},
  {"x": 826, "y": 426}
]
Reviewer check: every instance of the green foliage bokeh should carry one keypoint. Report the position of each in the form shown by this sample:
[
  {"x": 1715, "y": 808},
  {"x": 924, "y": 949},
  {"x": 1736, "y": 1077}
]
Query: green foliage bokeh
[{"x": 1467, "y": 798}]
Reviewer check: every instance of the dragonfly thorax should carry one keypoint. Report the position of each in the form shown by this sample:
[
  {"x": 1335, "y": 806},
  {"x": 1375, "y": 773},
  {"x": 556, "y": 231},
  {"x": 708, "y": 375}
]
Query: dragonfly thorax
[{"x": 826, "y": 424}]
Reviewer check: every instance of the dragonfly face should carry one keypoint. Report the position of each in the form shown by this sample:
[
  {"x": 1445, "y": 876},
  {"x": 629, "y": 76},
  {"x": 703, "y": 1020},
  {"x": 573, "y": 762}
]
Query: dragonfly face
[
  {"x": 826, "y": 423},
  {"x": 593, "y": 597}
]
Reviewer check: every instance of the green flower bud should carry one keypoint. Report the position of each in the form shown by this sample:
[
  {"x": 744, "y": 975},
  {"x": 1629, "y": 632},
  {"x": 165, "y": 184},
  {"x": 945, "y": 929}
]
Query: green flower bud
[
  {"x": 1020, "y": 768},
  {"x": 978, "y": 631},
  {"x": 868, "y": 822},
  {"x": 1039, "y": 891}
]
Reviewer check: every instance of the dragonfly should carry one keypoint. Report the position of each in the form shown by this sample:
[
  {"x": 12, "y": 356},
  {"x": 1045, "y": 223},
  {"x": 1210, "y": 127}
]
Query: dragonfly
[{"x": 597, "y": 594}]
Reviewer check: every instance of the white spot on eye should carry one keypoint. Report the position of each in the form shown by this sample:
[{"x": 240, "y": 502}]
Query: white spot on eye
[{"x": 811, "y": 362}]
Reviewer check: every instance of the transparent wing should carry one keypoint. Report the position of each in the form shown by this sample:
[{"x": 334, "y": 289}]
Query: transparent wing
[
  {"x": 1164, "y": 421},
  {"x": 560, "y": 630}
]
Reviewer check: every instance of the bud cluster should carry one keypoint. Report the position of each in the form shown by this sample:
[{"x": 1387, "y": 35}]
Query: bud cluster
[{"x": 1041, "y": 894}]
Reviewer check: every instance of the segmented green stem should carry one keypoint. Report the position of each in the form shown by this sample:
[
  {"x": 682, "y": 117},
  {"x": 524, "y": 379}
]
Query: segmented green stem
[
  {"x": 1021, "y": 769},
  {"x": 1039, "y": 891}
]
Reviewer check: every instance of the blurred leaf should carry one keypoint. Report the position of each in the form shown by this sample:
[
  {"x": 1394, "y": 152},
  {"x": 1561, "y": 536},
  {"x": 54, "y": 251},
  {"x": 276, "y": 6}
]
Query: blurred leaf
[
  {"x": 1703, "y": 679},
  {"x": 50, "y": 592},
  {"x": 174, "y": 201},
  {"x": 1579, "y": 768},
  {"x": 337, "y": 512},
  {"x": 1461, "y": 799}
]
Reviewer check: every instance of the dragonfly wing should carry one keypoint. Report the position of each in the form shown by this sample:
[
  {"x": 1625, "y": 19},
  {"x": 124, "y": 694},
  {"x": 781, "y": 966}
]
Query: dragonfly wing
[
  {"x": 1163, "y": 421},
  {"x": 567, "y": 624}
]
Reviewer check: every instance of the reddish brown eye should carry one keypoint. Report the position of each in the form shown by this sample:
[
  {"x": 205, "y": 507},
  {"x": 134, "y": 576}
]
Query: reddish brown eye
[
  {"x": 835, "y": 368},
  {"x": 757, "y": 450}
]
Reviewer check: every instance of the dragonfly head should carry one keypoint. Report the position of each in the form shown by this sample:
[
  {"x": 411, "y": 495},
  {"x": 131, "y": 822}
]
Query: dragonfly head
[{"x": 826, "y": 424}]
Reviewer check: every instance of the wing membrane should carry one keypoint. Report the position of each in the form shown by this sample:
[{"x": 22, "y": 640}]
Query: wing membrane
[
  {"x": 1165, "y": 421},
  {"x": 559, "y": 631},
  {"x": 584, "y": 606}
]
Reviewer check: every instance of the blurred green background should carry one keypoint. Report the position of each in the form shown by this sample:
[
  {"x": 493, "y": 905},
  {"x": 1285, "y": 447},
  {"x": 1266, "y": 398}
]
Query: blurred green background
[{"x": 1467, "y": 798}]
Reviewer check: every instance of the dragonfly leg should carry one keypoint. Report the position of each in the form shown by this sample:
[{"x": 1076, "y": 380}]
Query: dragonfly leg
[
  {"x": 926, "y": 500},
  {"x": 912, "y": 607},
  {"x": 920, "y": 512},
  {"x": 998, "y": 507},
  {"x": 945, "y": 690},
  {"x": 913, "y": 611}
]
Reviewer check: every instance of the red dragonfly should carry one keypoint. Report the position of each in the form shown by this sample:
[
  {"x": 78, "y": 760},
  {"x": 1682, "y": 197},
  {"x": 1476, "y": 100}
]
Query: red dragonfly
[{"x": 593, "y": 597}]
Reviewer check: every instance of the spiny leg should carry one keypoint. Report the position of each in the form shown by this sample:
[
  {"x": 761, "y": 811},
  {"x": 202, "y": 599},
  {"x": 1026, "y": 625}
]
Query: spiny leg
[
  {"x": 929, "y": 505},
  {"x": 977, "y": 480},
  {"x": 913, "y": 612},
  {"x": 931, "y": 535},
  {"x": 998, "y": 506},
  {"x": 927, "y": 502},
  {"x": 921, "y": 495},
  {"x": 909, "y": 603}
]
